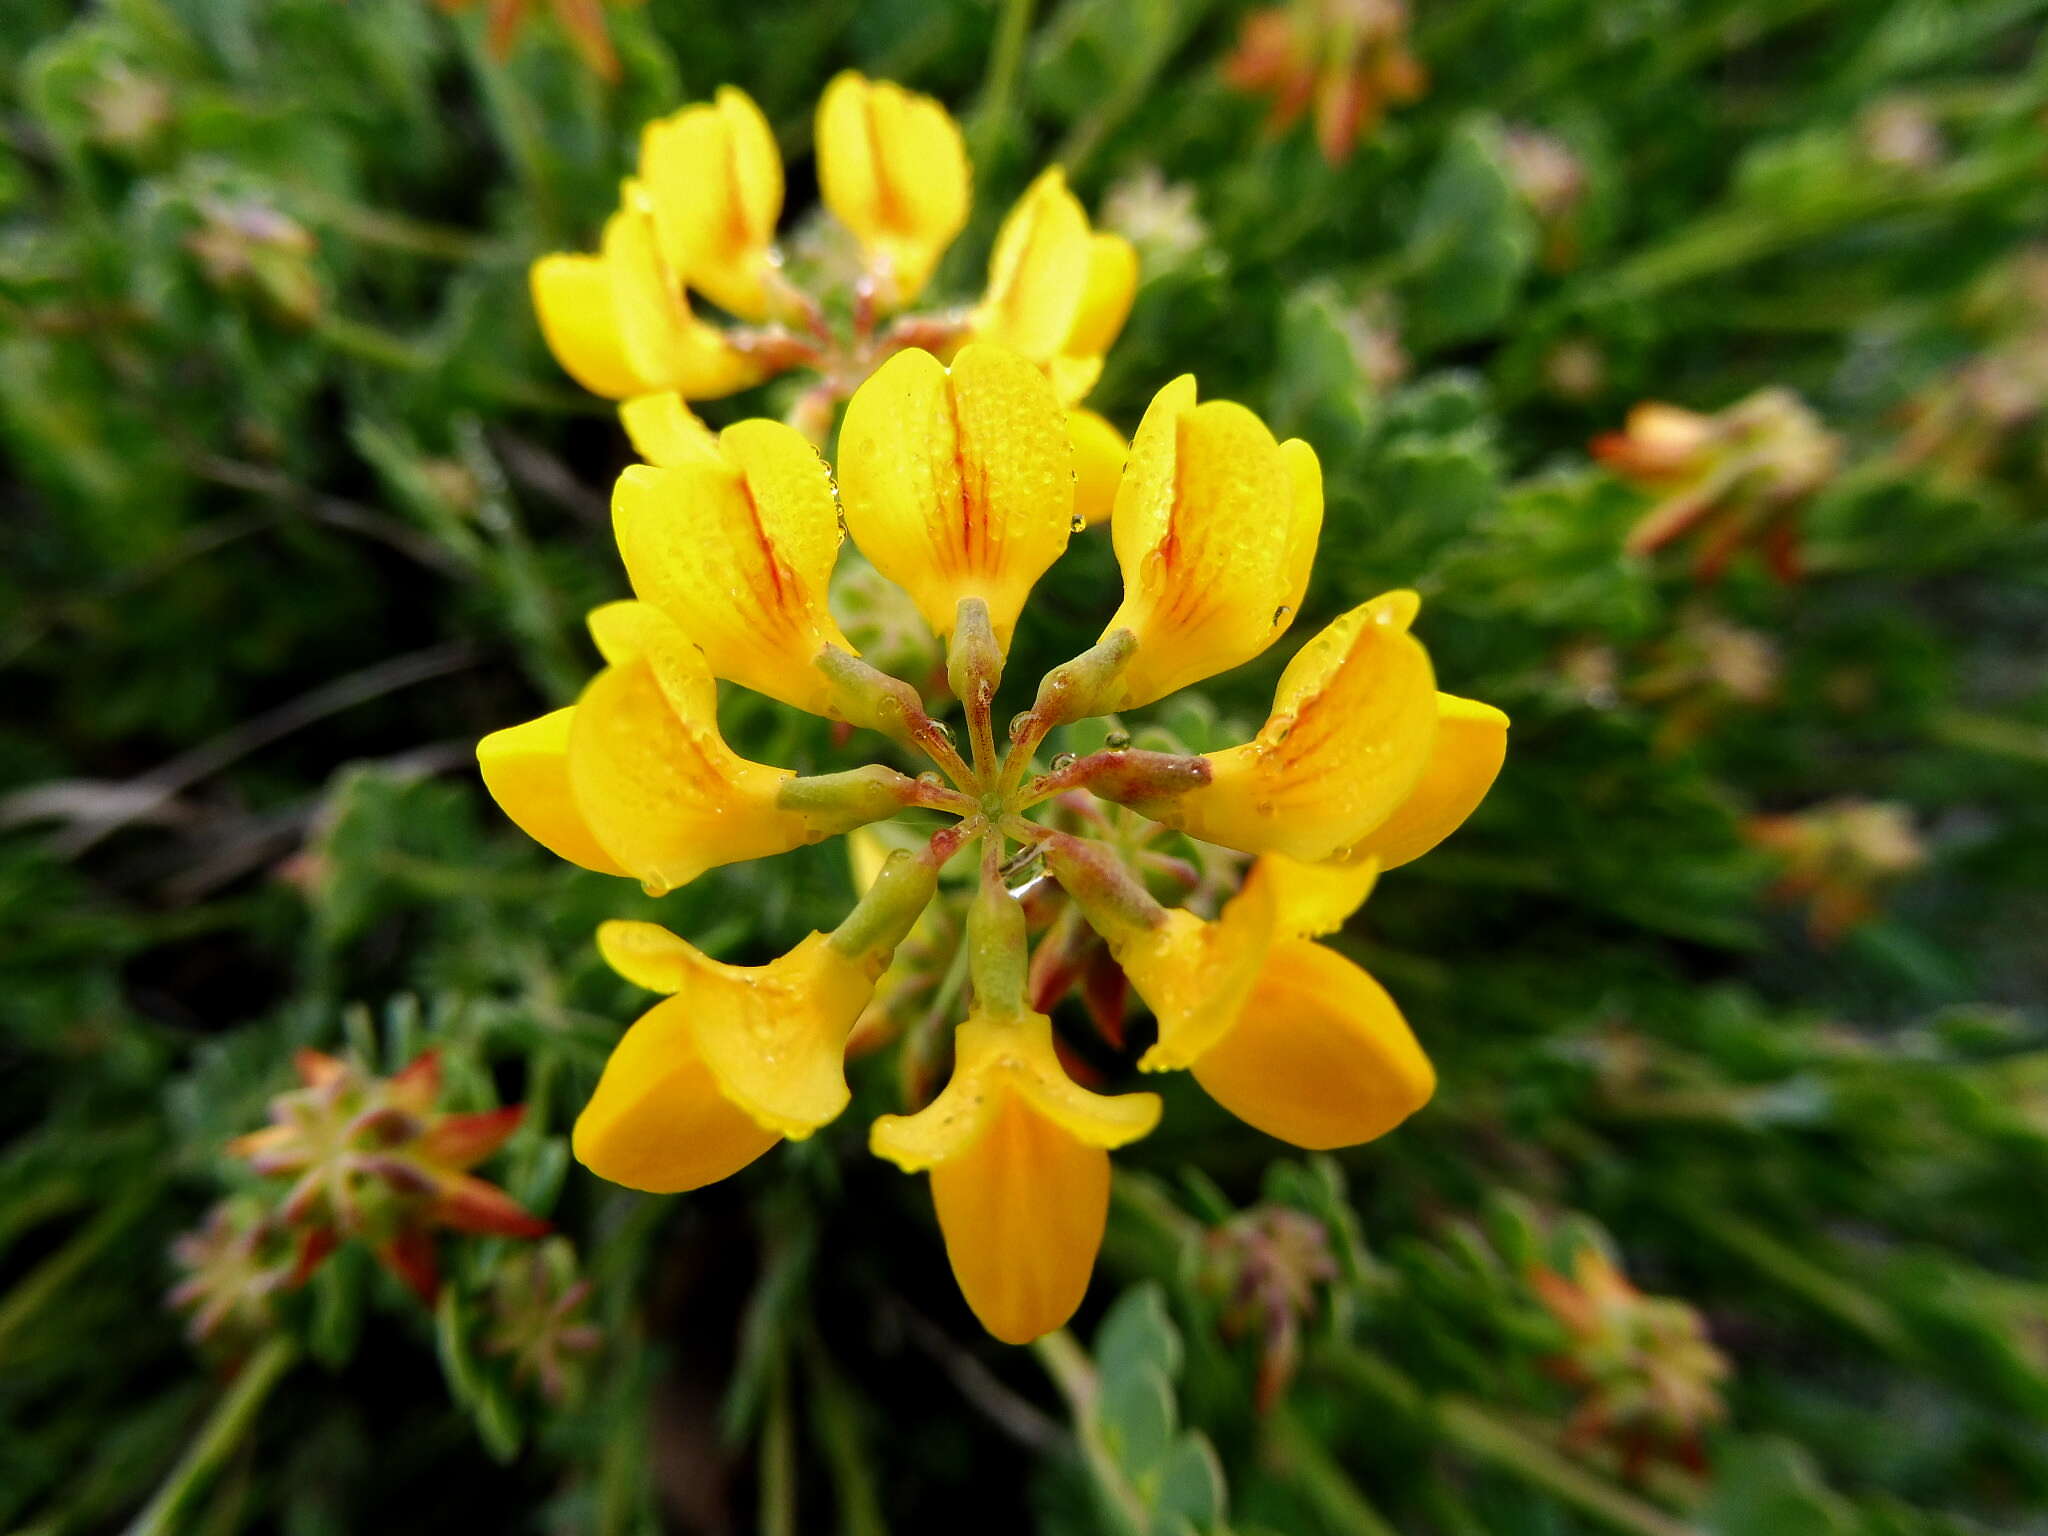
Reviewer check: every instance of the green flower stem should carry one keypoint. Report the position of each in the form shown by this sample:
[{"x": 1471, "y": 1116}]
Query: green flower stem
[
  {"x": 1483, "y": 1436},
  {"x": 778, "y": 1458},
  {"x": 836, "y": 1421},
  {"x": 2019, "y": 740},
  {"x": 231, "y": 1419},
  {"x": 1291, "y": 1449},
  {"x": 999, "y": 954}
]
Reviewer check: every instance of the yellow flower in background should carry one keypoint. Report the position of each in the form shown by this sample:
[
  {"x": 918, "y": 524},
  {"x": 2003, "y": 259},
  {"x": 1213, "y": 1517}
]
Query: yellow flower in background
[
  {"x": 697, "y": 222},
  {"x": 959, "y": 484}
]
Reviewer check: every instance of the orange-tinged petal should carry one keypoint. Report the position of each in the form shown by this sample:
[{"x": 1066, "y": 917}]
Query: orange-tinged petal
[
  {"x": 1020, "y": 1171},
  {"x": 958, "y": 482},
  {"x": 1353, "y": 724},
  {"x": 657, "y": 1121},
  {"x": 662, "y": 793},
  {"x": 737, "y": 549},
  {"x": 1038, "y": 272},
  {"x": 1099, "y": 451},
  {"x": 572, "y": 295},
  {"x": 1465, "y": 758},
  {"x": 1319, "y": 1056},
  {"x": 665, "y": 344},
  {"x": 1214, "y": 526},
  {"x": 892, "y": 167},
  {"x": 1022, "y": 1212},
  {"x": 665, "y": 431},
  {"x": 1310, "y": 900},
  {"x": 526, "y": 769},
  {"x": 1195, "y": 976},
  {"x": 995, "y": 1058},
  {"x": 714, "y": 181},
  {"x": 774, "y": 1036}
]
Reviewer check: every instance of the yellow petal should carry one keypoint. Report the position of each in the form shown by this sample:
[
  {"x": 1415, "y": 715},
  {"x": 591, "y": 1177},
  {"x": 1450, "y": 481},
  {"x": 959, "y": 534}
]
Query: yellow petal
[
  {"x": 1214, "y": 528},
  {"x": 1099, "y": 451},
  {"x": 1320, "y": 1056},
  {"x": 646, "y": 954},
  {"x": 665, "y": 344},
  {"x": 775, "y": 1035},
  {"x": 1038, "y": 272},
  {"x": 572, "y": 295},
  {"x": 892, "y": 167},
  {"x": 1352, "y": 727},
  {"x": 657, "y": 1121},
  {"x": 1020, "y": 1171},
  {"x": 1112, "y": 285},
  {"x": 958, "y": 482},
  {"x": 994, "y": 1059},
  {"x": 661, "y": 791},
  {"x": 1195, "y": 976},
  {"x": 714, "y": 180},
  {"x": 665, "y": 431},
  {"x": 737, "y": 549},
  {"x": 1465, "y": 758},
  {"x": 1022, "y": 1212},
  {"x": 1310, "y": 900},
  {"x": 526, "y": 769}
]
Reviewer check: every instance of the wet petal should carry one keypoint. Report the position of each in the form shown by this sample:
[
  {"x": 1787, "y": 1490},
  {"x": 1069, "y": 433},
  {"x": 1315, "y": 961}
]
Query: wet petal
[
  {"x": 526, "y": 769},
  {"x": 737, "y": 549},
  {"x": 646, "y": 954},
  {"x": 1038, "y": 273},
  {"x": 662, "y": 793},
  {"x": 1320, "y": 1056},
  {"x": 1099, "y": 451},
  {"x": 657, "y": 1121},
  {"x": 1215, "y": 527},
  {"x": 958, "y": 482},
  {"x": 1465, "y": 758},
  {"x": 1352, "y": 728}
]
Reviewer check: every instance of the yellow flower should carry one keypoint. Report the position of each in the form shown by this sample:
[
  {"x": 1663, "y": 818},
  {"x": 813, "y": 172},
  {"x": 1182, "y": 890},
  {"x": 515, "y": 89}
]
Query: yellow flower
[
  {"x": 1019, "y": 1161},
  {"x": 1215, "y": 528},
  {"x": 1057, "y": 292},
  {"x": 700, "y": 217},
  {"x": 714, "y": 184},
  {"x": 621, "y": 323},
  {"x": 892, "y": 167},
  {"x": 959, "y": 484}
]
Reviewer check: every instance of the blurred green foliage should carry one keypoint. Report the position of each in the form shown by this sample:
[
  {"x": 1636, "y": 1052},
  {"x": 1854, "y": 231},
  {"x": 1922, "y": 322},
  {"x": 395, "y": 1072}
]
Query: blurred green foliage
[{"x": 299, "y": 508}]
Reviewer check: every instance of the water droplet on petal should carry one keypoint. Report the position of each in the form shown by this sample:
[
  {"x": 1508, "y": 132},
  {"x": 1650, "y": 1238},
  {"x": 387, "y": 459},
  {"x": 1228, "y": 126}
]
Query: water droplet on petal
[
  {"x": 931, "y": 779},
  {"x": 1063, "y": 762},
  {"x": 1077, "y": 524},
  {"x": 1281, "y": 614},
  {"x": 655, "y": 887},
  {"x": 1019, "y": 723},
  {"x": 1117, "y": 741},
  {"x": 943, "y": 731}
]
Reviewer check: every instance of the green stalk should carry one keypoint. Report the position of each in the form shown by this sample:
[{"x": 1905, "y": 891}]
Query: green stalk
[
  {"x": 1005, "y": 58},
  {"x": 1294, "y": 1452},
  {"x": 53, "y": 1277},
  {"x": 1074, "y": 1374},
  {"x": 231, "y": 1419},
  {"x": 778, "y": 1458},
  {"x": 1481, "y": 1435}
]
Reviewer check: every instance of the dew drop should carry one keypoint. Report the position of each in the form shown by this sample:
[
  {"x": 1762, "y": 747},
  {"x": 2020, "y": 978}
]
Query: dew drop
[
  {"x": 943, "y": 731},
  {"x": 1079, "y": 522},
  {"x": 931, "y": 779},
  {"x": 655, "y": 887},
  {"x": 1117, "y": 741},
  {"x": 1019, "y": 723},
  {"x": 1281, "y": 613},
  {"x": 1063, "y": 762}
]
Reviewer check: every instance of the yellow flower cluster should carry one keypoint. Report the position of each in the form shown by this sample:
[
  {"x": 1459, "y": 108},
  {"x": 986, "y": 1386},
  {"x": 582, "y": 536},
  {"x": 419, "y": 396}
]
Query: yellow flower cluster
[
  {"x": 700, "y": 218},
  {"x": 957, "y": 479}
]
